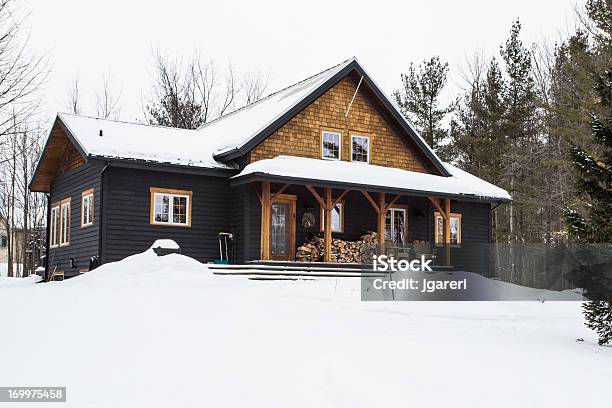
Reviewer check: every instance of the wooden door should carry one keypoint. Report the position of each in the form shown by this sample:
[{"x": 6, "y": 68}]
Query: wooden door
[{"x": 282, "y": 228}]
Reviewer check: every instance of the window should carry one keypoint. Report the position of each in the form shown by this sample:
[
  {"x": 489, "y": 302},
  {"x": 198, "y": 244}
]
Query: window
[
  {"x": 360, "y": 149},
  {"x": 395, "y": 225},
  {"x": 55, "y": 222},
  {"x": 87, "y": 208},
  {"x": 455, "y": 228},
  {"x": 330, "y": 145},
  {"x": 60, "y": 223},
  {"x": 3, "y": 241},
  {"x": 170, "y": 207},
  {"x": 65, "y": 222},
  {"x": 337, "y": 218}
]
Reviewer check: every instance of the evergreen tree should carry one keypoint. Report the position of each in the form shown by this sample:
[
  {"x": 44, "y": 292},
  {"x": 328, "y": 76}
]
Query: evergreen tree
[
  {"x": 419, "y": 100},
  {"x": 521, "y": 128},
  {"x": 593, "y": 222}
]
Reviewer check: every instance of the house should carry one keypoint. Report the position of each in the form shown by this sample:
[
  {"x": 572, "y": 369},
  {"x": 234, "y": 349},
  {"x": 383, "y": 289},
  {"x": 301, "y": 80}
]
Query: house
[{"x": 330, "y": 154}]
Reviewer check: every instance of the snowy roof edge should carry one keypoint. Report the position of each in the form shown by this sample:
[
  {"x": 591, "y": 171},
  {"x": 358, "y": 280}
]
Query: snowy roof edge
[{"x": 461, "y": 184}]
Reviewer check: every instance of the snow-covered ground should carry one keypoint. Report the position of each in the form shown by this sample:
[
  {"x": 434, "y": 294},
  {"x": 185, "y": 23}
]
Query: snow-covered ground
[{"x": 164, "y": 332}]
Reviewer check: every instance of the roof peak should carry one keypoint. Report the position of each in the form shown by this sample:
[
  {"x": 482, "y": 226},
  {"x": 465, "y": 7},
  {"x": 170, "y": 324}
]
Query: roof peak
[{"x": 345, "y": 62}]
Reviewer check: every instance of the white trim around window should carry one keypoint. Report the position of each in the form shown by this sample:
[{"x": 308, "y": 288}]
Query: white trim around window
[
  {"x": 170, "y": 207},
  {"x": 455, "y": 220},
  {"x": 54, "y": 227},
  {"x": 64, "y": 231},
  {"x": 87, "y": 208},
  {"x": 367, "y": 149},
  {"x": 334, "y": 137}
]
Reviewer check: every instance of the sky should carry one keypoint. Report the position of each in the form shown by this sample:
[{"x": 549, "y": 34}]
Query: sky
[{"x": 287, "y": 41}]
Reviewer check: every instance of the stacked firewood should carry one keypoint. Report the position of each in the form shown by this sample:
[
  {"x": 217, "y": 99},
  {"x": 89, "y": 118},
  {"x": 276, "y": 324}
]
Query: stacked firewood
[{"x": 342, "y": 251}]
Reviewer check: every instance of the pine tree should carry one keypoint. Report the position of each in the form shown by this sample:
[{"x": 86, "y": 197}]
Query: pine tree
[
  {"x": 593, "y": 222},
  {"x": 419, "y": 100}
]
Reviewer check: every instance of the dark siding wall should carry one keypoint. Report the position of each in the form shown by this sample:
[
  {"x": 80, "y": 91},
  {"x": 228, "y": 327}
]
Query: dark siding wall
[
  {"x": 83, "y": 241},
  {"x": 127, "y": 228},
  {"x": 474, "y": 253}
]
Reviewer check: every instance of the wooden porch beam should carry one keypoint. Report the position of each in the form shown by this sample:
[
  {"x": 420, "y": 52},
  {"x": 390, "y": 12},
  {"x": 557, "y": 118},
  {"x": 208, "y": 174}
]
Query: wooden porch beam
[
  {"x": 447, "y": 211},
  {"x": 327, "y": 254},
  {"x": 316, "y": 195},
  {"x": 254, "y": 186},
  {"x": 381, "y": 223},
  {"x": 392, "y": 202},
  {"x": 279, "y": 192},
  {"x": 436, "y": 204},
  {"x": 337, "y": 200},
  {"x": 371, "y": 201},
  {"x": 265, "y": 220}
]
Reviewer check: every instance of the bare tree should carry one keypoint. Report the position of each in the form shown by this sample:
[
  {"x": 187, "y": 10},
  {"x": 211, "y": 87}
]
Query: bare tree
[
  {"x": 21, "y": 74},
  {"x": 107, "y": 99},
  {"x": 190, "y": 92},
  {"x": 253, "y": 86},
  {"x": 74, "y": 97}
]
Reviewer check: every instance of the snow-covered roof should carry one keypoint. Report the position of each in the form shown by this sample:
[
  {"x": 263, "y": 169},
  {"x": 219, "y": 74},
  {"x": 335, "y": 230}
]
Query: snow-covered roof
[
  {"x": 237, "y": 128},
  {"x": 205, "y": 146},
  {"x": 125, "y": 140},
  {"x": 460, "y": 184}
]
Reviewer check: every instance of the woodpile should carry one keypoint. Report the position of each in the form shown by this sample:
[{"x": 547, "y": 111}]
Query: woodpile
[{"x": 342, "y": 251}]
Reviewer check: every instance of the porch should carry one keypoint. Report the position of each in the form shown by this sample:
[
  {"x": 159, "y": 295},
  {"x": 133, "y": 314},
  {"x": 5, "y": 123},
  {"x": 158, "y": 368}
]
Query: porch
[{"x": 299, "y": 198}]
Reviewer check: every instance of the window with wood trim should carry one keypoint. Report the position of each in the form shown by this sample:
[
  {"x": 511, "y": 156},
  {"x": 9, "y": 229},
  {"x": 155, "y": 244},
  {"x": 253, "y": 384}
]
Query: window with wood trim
[
  {"x": 396, "y": 225},
  {"x": 330, "y": 145},
  {"x": 337, "y": 218},
  {"x": 87, "y": 208},
  {"x": 64, "y": 231},
  {"x": 360, "y": 149},
  {"x": 455, "y": 228},
  {"x": 171, "y": 207}
]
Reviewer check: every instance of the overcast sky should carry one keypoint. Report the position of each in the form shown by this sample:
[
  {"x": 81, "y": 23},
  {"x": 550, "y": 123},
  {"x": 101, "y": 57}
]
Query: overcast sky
[{"x": 287, "y": 40}]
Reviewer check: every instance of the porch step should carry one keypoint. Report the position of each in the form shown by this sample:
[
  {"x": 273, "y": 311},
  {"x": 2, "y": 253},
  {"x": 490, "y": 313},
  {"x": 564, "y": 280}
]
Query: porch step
[{"x": 293, "y": 271}]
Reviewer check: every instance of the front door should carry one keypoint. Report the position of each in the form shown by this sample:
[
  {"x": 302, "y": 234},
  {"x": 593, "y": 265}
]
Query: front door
[{"x": 282, "y": 228}]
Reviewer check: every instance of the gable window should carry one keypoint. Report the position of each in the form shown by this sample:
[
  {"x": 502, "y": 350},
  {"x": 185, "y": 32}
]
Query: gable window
[
  {"x": 330, "y": 145},
  {"x": 455, "y": 228},
  {"x": 360, "y": 149},
  {"x": 395, "y": 225},
  {"x": 170, "y": 207},
  {"x": 337, "y": 218},
  {"x": 64, "y": 232},
  {"x": 87, "y": 207}
]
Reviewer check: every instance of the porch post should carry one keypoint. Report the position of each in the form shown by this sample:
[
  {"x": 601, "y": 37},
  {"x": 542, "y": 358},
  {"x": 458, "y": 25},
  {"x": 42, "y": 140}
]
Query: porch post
[
  {"x": 327, "y": 254},
  {"x": 382, "y": 213},
  {"x": 446, "y": 221},
  {"x": 265, "y": 220}
]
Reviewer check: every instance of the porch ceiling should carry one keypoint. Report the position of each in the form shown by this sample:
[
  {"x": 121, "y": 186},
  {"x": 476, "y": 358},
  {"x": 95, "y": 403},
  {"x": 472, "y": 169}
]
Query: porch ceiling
[{"x": 359, "y": 176}]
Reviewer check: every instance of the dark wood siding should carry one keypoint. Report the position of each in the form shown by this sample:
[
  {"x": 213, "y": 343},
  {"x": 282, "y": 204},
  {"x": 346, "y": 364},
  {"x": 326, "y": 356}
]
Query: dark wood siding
[
  {"x": 83, "y": 241},
  {"x": 127, "y": 228},
  {"x": 473, "y": 254}
]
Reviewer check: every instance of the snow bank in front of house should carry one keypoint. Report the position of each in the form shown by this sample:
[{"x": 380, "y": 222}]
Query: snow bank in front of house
[
  {"x": 460, "y": 183},
  {"x": 146, "y": 267},
  {"x": 163, "y": 331}
]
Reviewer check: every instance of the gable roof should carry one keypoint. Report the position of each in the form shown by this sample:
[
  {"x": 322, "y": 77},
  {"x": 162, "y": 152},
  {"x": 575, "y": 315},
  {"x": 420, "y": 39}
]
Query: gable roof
[
  {"x": 226, "y": 138},
  {"x": 245, "y": 128}
]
